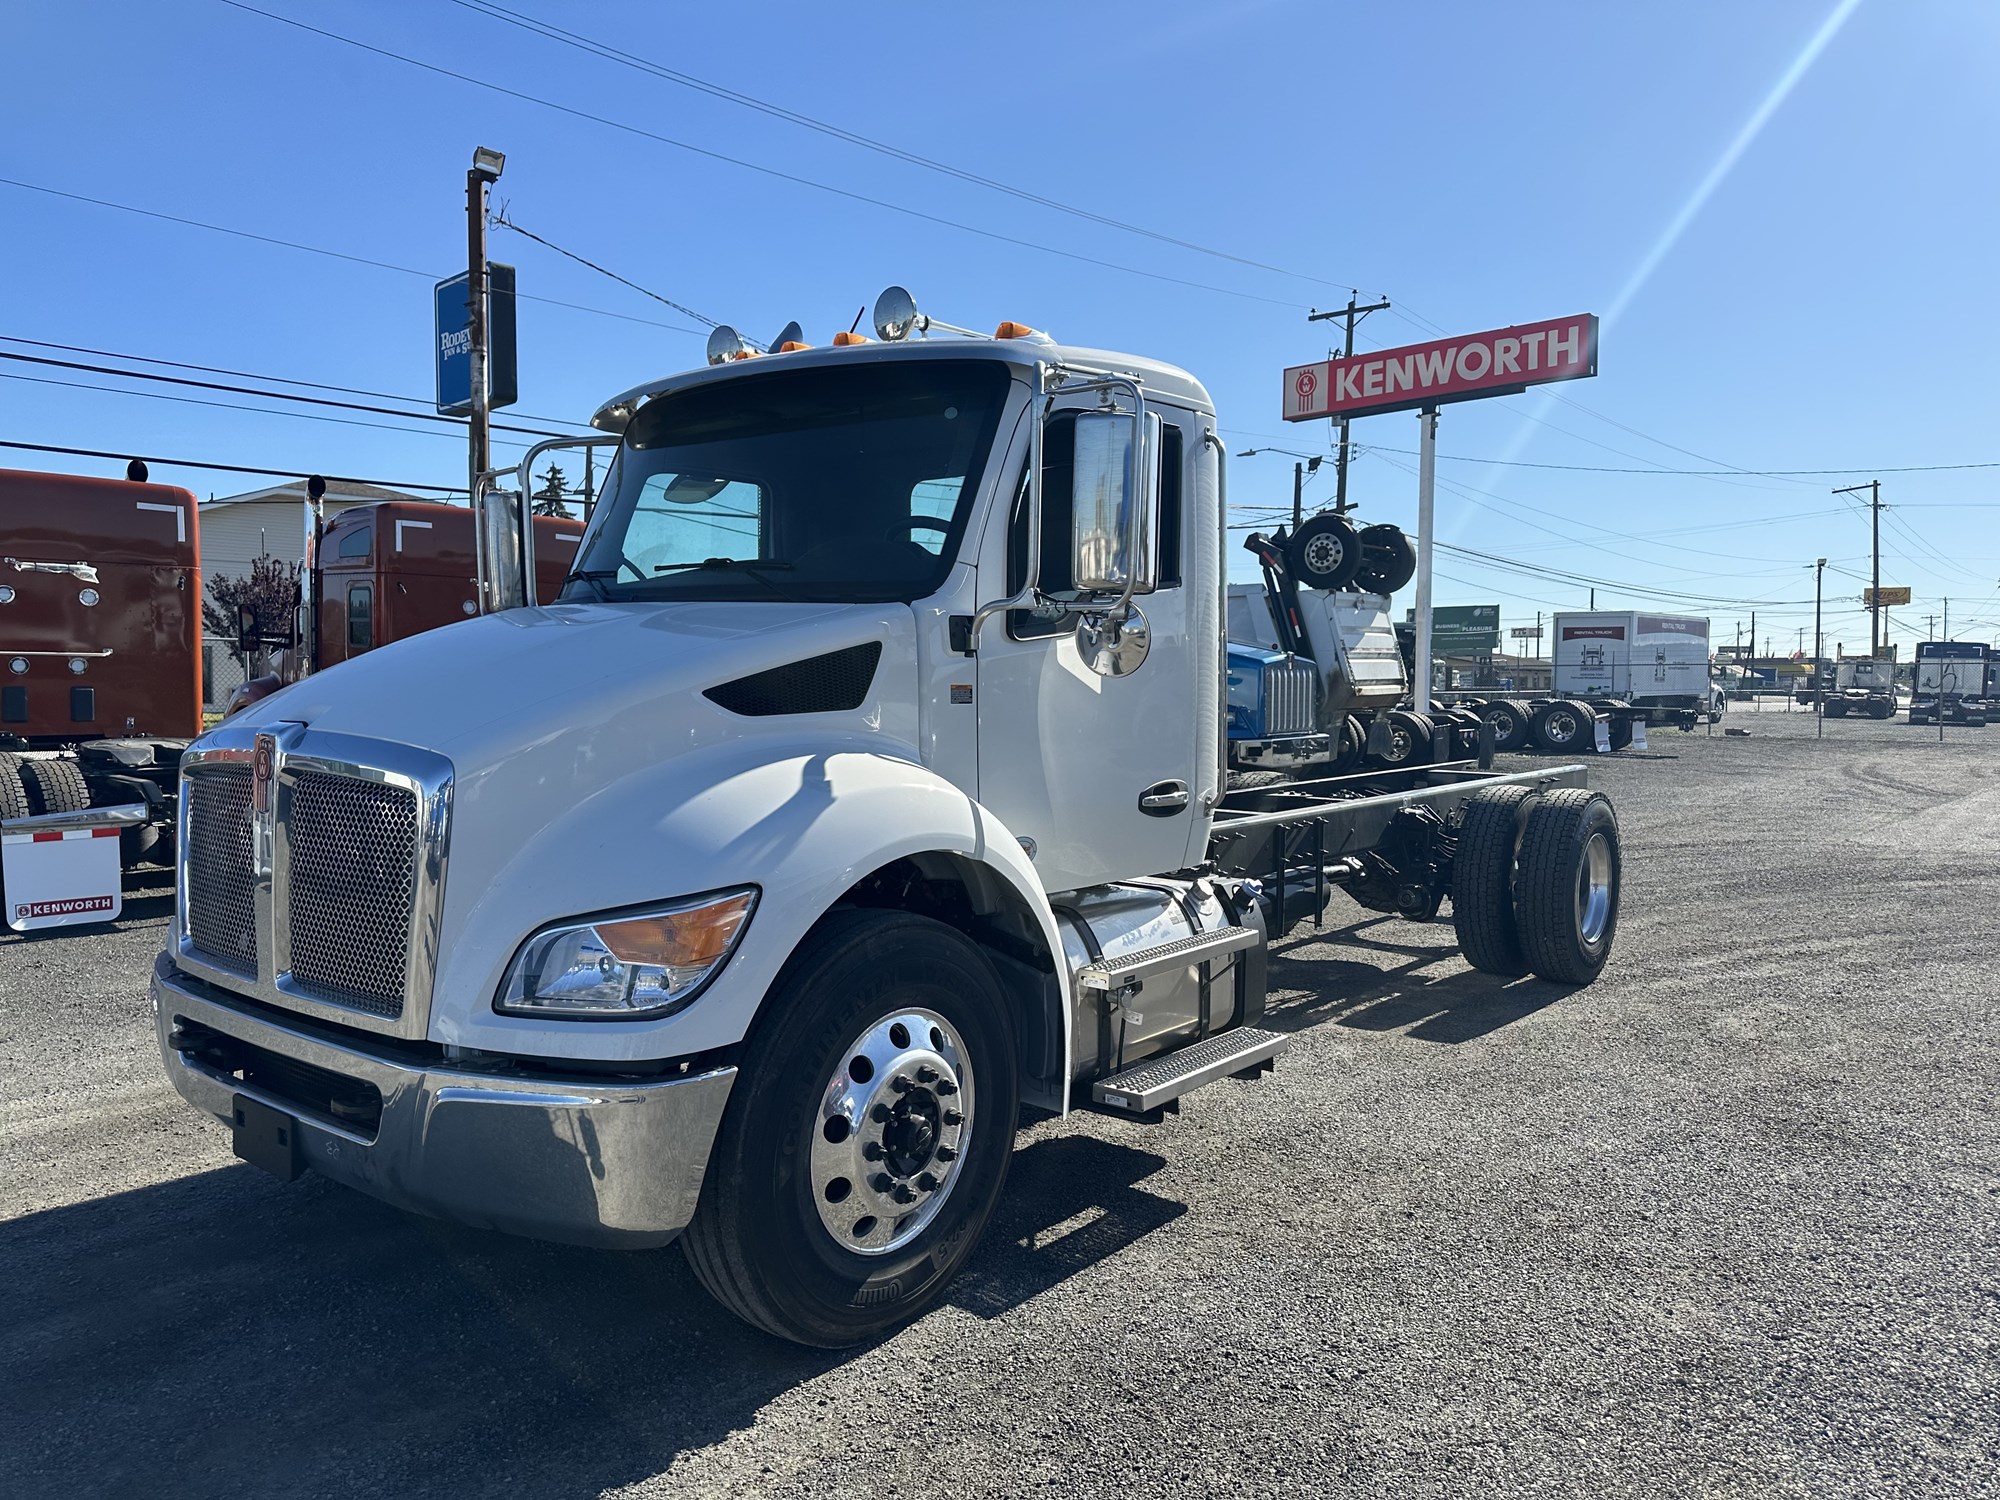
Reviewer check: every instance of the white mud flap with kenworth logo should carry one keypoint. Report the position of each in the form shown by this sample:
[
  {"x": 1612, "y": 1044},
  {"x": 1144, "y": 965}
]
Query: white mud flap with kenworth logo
[{"x": 62, "y": 869}]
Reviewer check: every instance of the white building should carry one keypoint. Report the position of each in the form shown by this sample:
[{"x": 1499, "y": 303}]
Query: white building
[{"x": 236, "y": 530}]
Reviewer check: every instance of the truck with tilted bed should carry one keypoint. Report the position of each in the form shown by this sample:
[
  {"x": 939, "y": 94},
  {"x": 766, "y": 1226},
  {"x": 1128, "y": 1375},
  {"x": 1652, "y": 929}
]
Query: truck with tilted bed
[{"x": 865, "y": 787}]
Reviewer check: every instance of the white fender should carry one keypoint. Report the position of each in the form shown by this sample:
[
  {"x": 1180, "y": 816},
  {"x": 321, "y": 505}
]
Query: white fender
[{"x": 803, "y": 818}]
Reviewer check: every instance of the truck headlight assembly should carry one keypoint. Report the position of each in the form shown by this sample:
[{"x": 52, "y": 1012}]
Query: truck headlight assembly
[{"x": 634, "y": 966}]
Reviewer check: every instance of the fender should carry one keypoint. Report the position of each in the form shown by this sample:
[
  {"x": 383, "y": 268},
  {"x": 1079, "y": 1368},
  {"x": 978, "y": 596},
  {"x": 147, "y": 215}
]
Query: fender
[{"x": 802, "y": 817}]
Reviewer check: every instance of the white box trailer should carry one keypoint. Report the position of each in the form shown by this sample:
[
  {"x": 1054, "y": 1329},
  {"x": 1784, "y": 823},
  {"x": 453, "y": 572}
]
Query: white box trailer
[{"x": 1644, "y": 659}]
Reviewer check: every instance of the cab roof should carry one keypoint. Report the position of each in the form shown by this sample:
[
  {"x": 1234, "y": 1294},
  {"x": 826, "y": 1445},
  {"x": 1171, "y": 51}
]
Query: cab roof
[{"x": 1166, "y": 382}]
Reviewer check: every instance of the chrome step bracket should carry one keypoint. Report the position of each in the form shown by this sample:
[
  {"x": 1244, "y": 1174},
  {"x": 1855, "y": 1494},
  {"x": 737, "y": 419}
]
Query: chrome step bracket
[
  {"x": 1115, "y": 976},
  {"x": 1153, "y": 1085}
]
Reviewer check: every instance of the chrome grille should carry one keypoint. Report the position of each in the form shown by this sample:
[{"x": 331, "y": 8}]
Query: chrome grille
[
  {"x": 1290, "y": 698},
  {"x": 221, "y": 890},
  {"x": 351, "y": 889}
]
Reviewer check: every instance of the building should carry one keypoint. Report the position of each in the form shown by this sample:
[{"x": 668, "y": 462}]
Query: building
[{"x": 236, "y": 530}]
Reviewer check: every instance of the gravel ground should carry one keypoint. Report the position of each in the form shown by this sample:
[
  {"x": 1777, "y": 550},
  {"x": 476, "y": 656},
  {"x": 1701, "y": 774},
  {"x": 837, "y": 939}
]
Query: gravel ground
[{"x": 1724, "y": 1223}]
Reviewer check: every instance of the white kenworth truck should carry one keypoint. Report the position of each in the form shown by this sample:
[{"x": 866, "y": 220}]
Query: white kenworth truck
[{"x": 864, "y": 788}]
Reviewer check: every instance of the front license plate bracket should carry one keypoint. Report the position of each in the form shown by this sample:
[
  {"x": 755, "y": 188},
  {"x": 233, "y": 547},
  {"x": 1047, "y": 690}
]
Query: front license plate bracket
[{"x": 267, "y": 1138}]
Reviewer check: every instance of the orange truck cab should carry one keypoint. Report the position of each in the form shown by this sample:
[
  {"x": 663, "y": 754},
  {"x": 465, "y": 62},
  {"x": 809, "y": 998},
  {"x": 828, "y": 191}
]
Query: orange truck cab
[
  {"x": 100, "y": 609},
  {"x": 401, "y": 567}
]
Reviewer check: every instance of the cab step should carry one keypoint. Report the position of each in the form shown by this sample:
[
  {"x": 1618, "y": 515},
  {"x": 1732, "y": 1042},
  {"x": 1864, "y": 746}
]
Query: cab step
[
  {"x": 1116, "y": 976},
  {"x": 1147, "y": 1089}
]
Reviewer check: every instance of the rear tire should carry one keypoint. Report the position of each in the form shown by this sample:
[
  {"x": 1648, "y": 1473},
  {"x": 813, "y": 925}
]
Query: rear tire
[
  {"x": 54, "y": 786},
  {"x": 13, "y": 795},
  {"x": 1836, "y": 710},
  {"x": 1563, "y": 726},
  {"x": 1410, "y": 739},
  {"x": 1620, "y": 731},
  {"x": 1388, "y": 561},
  {"x": 762, "y": 1241},
  {"x": 1567, "y": 887},
  {"x": 1482, "y": 879},
  {"x": 1350, "y": 745},
  {"x": 1510, "y": 719},
  {"x": 1250, "y": 789}
]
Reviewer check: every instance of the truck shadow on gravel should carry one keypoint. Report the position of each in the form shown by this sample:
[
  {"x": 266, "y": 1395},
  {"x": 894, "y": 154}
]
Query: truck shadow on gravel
[
  {"x": 1409, "y": 993},
  {"x": 223, "y": 1334}
]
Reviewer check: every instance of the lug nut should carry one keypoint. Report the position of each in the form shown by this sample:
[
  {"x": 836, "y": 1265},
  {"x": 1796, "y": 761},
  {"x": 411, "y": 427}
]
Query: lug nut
[
  {"x": 901, "y": 1083},
  {"x": 903, "y": 1194},
  {"x": 946, "y": 1087},
  {"x": 882, "y": 1182},
  {"x": 952, "y": 1117},
  {"x": 927, "y": 1182},
  {"x": 927, "y": 1074},
  {"x": 872, "y": 1151},
  {"x": 879, "y": 1114},
  {"x": 947, "y": 1153}
]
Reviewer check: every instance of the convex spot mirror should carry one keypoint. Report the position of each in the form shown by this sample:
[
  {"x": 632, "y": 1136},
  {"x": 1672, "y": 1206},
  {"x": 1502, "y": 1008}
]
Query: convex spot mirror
[{"x": 1112, "y": 504}]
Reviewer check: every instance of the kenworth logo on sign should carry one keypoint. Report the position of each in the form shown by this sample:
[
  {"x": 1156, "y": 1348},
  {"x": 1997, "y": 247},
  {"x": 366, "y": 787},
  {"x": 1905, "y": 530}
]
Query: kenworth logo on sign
[{"x": 1456, "y": 369}]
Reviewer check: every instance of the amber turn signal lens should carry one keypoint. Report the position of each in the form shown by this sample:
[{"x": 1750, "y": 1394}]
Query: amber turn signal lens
[
  {"x": 792, "y": 346},
  {"x": 688, "y": 939},
  {"x": 842, "y": 339},
  {"x": 1012, "y": 330}
]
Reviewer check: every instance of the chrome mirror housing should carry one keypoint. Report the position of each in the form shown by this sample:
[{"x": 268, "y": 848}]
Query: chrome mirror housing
[{"x": 1112, "y": 546}]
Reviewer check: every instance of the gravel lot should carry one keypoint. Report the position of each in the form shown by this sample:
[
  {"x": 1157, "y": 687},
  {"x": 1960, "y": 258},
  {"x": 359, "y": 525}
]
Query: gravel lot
[{"x": 1727, "y": 1222}]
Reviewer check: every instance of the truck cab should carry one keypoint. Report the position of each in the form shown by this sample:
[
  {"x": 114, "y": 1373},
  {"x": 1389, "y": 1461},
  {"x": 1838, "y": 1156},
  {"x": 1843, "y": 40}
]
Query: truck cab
[
  {"x": 1862, "y": 686},
  {"x": 860, "y": 788}
]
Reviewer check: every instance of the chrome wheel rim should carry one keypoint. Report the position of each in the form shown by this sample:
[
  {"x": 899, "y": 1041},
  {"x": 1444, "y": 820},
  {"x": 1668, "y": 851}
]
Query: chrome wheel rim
[
  {"x": 1593, "y": 890},
  {"x": 1324, "y": 554},
  {"x": 889, "y": 1137},
  {"x": 1502, "y": 722},
  {"x": 1562, "y": 728}
]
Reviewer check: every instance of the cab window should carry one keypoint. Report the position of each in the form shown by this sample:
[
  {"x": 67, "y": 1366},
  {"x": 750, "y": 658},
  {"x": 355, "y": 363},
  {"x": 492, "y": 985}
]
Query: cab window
[
  {"x": 357, "y": 543},
  {"x": 360, "y": 617}
]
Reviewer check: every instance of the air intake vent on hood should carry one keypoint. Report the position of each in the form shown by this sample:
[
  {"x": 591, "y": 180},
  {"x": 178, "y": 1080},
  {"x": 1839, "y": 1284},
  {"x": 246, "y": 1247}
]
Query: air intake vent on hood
[{"x": 833, "y": 683}]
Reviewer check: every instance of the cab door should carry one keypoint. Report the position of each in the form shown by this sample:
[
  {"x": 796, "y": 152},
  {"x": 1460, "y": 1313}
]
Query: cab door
[{"x": 1066, "y": 755}]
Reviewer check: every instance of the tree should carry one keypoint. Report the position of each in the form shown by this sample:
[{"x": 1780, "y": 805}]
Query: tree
[
  {"x": 549, "y": 498},
  {"x": 271, "y": 589}
]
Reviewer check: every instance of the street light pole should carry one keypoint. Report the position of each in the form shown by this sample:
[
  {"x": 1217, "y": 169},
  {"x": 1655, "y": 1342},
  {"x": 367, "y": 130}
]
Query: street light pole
[
  {"x": 1819, "y": 667},
  {"x": 485, "y": 170},
  {"x": 1308, "y": 463}
]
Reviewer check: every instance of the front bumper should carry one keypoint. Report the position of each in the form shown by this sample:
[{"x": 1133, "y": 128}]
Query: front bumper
[{"x": 570, "y": 1158}]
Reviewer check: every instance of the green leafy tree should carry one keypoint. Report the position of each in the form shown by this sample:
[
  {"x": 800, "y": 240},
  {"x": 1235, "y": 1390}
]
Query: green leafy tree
[{"x": 548, "y": 500}]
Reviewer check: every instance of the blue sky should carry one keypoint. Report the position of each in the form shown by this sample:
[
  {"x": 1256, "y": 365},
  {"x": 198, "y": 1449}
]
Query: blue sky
[{"x": 1815, "y": 293}]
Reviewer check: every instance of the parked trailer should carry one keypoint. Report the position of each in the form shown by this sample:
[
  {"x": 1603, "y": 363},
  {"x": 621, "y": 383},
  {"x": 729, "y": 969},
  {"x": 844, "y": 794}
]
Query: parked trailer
[
  {"x": 746, "y": 894},
  {"x": 100, "y": 633},
  {"x": 1951, "y": 683}
]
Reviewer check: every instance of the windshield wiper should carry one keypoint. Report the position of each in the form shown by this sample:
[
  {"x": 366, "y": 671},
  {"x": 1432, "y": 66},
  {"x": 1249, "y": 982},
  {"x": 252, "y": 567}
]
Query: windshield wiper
[
  {"x": 727, "y": 564},
  {"x": 595, "y": 578}
]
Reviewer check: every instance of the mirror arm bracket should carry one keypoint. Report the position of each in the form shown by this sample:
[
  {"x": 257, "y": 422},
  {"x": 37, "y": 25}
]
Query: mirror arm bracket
[{"x": 1029, "y": 590}]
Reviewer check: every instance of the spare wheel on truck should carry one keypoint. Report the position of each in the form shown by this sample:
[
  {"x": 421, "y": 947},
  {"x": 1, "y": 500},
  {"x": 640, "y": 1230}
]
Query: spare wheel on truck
[{"x": 1324, "y": 552}]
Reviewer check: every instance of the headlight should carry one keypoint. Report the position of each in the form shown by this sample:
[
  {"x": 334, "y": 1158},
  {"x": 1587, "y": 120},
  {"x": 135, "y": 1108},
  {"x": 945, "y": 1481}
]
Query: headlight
[{"x": 635, "y": 966}]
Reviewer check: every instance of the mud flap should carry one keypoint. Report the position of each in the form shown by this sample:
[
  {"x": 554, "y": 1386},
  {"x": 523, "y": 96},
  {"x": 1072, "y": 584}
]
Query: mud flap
[{"x": 1603, "y": 732}]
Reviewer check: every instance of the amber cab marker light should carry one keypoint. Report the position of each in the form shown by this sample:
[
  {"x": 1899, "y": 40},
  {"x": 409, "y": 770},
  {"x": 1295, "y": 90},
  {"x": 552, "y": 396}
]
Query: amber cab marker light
[
  {"x": 1012, "y": 330},
  {"x": 792, "y": 346},
  {"x": 845, "y": 339}
]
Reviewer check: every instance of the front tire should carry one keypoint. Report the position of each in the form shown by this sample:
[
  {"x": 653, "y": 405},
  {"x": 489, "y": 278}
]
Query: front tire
[{"x": 793, "y": 1236}]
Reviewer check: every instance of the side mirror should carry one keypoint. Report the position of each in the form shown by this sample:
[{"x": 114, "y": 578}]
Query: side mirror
[
  {"x": 1112, "y": 546},
  {"x": 247, "y": 633}
]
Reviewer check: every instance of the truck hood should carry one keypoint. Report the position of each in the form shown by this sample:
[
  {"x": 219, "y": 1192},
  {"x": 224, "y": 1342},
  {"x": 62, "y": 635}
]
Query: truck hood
[{"x": 527, "y": 680}]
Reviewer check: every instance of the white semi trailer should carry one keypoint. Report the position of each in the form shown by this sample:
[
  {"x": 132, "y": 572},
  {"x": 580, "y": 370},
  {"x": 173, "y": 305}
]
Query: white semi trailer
[{"x": 864, "y": 786}]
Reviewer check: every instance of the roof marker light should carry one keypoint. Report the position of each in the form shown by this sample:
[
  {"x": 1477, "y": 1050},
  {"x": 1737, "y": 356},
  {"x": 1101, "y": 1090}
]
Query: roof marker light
[
  {"x": 846, "y": 338},
  {"x": 792, "y": 346},
  {"x": 1013, "y": 330}
]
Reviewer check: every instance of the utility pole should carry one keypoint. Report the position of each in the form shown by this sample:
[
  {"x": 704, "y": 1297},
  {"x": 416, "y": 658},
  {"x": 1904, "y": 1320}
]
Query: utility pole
[
  {"x": 1819, "y": 666},
  {"x": 1753, "y": 635},
  {"x": 481, "y": 175},
  {"x": 1351, "y": 315},
  {"x": 1874, "y": 488}
]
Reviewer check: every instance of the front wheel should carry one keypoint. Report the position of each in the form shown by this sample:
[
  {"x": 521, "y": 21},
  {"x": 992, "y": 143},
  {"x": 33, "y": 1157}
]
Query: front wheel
[{"x": 868, "y": 1135}]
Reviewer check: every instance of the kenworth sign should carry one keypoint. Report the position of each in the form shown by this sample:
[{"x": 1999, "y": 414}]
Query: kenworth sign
[{"x": 1499, "y": 363}]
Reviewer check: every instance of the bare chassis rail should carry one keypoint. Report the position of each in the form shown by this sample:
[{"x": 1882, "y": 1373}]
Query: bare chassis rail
[{"x": 1340, "y": 826}]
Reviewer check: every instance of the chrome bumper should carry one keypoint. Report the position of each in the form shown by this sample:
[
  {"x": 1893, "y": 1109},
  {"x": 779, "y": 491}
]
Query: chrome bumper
[{"x": 614, "y": 1164}]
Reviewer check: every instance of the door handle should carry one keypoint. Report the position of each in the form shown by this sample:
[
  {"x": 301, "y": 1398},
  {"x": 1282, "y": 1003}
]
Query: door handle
[{"x": 1163, "y": 799}]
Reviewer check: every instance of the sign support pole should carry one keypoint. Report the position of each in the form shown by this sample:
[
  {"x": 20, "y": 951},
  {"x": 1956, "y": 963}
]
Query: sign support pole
[
  {"x": 1427, "y": 421},
  {"x": 478, "y": 430}
]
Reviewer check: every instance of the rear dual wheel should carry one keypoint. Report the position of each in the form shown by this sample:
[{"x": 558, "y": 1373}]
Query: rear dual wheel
[
  {"x": 1563, "y": 726},
  {"x": 1536, "y": 883},
  {"x": 1510, "y": 719}
]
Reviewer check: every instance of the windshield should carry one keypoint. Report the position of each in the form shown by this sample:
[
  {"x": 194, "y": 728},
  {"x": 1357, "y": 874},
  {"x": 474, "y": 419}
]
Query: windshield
[{"x": 842, "y": 482}]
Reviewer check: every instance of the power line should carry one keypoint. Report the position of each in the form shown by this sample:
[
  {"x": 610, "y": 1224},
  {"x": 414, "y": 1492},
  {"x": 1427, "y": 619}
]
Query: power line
[
  {"x": 506, "y": 223},
  {"x": 316, "y": 385},
  {"x": 195, "y": 463},
  {"x": 244, "y": 390},
  {"x": 758, "y": 167},
  {"x": 359, "y": 260},
  {"x": 623, "y": 58}
]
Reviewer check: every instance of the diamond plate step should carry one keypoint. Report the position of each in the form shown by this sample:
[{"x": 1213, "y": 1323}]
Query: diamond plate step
[
  {"x": 1158, "y": 1081},
  {"x": 1111, "y": 975}
]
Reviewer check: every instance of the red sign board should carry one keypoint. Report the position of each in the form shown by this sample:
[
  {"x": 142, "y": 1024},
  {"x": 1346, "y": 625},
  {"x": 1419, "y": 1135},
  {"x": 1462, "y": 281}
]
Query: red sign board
[{"x": 1456, "y": 369}]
